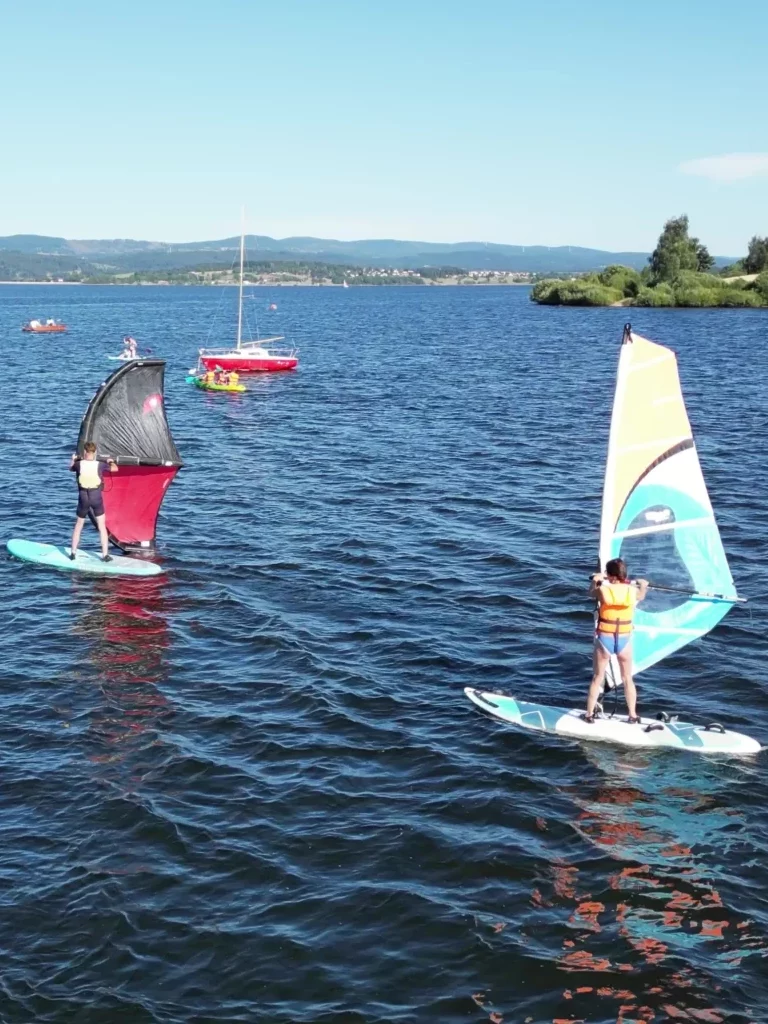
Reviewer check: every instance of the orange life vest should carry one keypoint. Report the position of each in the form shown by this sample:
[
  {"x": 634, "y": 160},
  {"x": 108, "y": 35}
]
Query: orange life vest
[{"x": 615, "y": 613}]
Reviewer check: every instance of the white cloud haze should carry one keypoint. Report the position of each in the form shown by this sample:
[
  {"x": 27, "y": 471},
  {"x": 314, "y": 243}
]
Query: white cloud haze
[{"x": 730, "y": 167}]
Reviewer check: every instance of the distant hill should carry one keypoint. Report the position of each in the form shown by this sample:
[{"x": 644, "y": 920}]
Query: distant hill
[{"x": 36, "y": 254}]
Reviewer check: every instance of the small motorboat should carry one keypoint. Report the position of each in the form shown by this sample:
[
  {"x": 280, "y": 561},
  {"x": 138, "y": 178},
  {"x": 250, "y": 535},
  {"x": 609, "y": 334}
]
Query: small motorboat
[{"x": 49, "y": 327}]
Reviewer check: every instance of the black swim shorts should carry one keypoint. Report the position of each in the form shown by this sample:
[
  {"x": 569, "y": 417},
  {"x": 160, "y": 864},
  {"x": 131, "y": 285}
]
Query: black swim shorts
[{"x": 89, "y": 499}]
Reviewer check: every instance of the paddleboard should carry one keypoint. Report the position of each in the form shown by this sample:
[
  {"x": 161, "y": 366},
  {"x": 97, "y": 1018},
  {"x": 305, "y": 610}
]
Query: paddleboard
[
  {"x": 123, "y": 359},
  {"x": 649, "y": 732},
  {"x": 85, "y": 561}
]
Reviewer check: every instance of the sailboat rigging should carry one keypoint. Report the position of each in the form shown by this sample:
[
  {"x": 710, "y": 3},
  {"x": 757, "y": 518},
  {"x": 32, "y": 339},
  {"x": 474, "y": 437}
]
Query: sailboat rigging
[{"x": 257, "y": 355}]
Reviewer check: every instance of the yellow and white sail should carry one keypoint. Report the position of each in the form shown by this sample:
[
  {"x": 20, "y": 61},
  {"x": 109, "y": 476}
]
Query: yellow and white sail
[{"x": 657, "y": 514}]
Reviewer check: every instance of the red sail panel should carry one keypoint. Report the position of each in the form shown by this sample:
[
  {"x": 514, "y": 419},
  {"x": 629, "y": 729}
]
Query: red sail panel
[{"x": 132, "y": 499}]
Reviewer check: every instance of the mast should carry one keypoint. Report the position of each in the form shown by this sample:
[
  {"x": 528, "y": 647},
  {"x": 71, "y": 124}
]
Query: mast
[
  {"x": 240, "y": 298},
  {"x": 606, "y": 519}
]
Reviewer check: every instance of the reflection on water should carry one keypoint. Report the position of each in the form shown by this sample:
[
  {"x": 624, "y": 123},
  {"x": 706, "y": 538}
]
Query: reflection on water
[
  {"x": 370, "y": 534},
  {"x": 127, "y": 634},
  {"x": 645, "y": 928}
]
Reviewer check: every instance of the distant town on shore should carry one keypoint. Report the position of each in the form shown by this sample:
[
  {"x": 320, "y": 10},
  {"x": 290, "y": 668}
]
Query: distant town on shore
[
  {"x": 297, "y": 260},
  {"x": 679, "y": 272}
]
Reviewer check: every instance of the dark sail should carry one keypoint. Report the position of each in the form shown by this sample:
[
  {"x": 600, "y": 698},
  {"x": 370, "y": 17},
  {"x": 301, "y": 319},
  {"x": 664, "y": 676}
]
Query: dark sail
[{"x": 126, "y": 420}]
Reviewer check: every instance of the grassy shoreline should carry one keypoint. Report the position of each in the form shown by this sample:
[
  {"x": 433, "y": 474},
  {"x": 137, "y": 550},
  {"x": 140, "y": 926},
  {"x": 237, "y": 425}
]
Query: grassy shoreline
[{"x": 619, "y": 286}]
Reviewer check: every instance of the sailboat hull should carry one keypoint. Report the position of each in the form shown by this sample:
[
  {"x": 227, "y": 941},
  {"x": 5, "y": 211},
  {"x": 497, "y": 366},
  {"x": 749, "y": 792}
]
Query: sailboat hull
[
  {"x": 243, "y": 362},
  {"x": 649, "y": 732}
]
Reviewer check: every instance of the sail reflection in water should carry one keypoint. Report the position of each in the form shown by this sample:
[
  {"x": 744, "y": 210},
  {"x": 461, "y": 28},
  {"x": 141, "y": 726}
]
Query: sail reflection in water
[
  {"x": 126, "y": 627},
  {"x": 645, "y": 902}
]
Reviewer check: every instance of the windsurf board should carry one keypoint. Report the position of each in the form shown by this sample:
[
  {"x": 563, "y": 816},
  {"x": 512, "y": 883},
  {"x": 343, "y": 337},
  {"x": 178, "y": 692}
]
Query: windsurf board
[{"x": 53, "y": 557}]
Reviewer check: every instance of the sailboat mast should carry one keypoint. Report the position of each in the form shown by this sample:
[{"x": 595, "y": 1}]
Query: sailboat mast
[{"x": 240, "y": 298}]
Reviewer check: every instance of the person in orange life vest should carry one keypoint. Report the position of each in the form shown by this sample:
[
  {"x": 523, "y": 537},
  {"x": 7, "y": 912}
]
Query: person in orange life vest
[
  {"x": 616, "y": 597},
  {"x": 90, "y": 477}
]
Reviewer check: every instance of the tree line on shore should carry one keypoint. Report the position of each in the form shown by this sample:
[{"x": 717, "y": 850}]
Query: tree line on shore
[
  {"x": 679, "y": 273},
  {"x": 261, "y": 271}
]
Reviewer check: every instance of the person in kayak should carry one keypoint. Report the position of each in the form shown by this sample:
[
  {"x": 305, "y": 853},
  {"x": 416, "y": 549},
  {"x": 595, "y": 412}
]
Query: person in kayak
[
  {"x": 90, "y": 483},
  {"x": 617, "y": 597}
]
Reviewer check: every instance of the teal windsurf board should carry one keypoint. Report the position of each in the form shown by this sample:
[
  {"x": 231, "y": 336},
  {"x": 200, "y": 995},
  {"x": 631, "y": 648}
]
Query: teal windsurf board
[
  {"x": 648, "y": 732},
  {"x": 54, "y": 557}
]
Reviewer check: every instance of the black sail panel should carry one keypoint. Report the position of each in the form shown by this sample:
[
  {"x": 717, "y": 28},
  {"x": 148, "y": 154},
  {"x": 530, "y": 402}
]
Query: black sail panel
[
  {"x": 126, "y": 417},
  {"x": 126, "y": 420}
]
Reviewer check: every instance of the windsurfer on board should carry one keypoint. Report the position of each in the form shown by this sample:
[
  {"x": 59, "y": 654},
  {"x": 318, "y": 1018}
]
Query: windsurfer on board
[
  {"x": 616, "y": 597},
  {"x": 90, "y": 483}
]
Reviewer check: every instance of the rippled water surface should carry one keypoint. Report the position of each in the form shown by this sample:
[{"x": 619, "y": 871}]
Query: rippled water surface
[{"x": 253, "y": 790}]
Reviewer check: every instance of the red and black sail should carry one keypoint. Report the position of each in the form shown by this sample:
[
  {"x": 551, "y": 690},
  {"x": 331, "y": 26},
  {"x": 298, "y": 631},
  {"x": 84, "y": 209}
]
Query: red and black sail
[{"x": 126, "y": 420}]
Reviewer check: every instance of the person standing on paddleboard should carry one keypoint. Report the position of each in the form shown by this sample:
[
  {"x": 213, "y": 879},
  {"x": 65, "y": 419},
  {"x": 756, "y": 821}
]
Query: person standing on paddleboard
[
  {"x": 90, "y": 483},
  {"x": 616, "y": 597}
]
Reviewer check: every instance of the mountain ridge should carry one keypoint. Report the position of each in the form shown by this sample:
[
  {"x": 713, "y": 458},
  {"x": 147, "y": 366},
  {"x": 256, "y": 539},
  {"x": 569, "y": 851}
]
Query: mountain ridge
[{"x": 127, "y": 254}]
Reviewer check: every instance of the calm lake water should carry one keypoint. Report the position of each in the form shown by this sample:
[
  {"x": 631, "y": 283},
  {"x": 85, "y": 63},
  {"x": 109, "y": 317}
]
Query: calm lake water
[{"x": 253, "y": 790}]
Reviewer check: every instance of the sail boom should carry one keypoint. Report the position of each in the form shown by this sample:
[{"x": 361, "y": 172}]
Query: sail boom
[{"x": 640, "y": 531}]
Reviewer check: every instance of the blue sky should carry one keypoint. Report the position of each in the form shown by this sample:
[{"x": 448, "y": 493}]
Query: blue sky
[{"x": 542, "y": 122}]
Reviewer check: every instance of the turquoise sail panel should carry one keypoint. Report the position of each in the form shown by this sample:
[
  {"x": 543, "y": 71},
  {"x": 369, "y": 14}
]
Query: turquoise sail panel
[{"x": 668, "y": 536}]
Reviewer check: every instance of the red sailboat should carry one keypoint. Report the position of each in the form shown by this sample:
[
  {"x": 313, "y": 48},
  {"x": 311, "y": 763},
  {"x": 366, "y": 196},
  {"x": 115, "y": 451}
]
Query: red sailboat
[
  {"x": 256, "y": 356},
  {"x": 126, "y": 420}
]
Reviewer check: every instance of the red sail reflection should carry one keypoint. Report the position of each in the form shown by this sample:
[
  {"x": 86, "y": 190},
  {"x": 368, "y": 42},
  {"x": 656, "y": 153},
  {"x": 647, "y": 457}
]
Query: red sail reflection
[{"x": 127, "y": 630}]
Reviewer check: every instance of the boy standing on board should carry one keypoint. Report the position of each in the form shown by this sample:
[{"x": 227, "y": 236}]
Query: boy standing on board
[
  {"x": 90, "y": 483},
  {"x": 616, "y": 597}
]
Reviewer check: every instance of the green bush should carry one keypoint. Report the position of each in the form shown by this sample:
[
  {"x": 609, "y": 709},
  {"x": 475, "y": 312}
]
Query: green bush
[
  {"x": 690, "y": 288},
  {"x": 733, "y": 269},
  {"x": 545, "y": 292},
  {"x": 739, "y": 297},
  {"x": 692, "y": 279},
  {"x": 585, "y": 291},
  {"x": 695, "y": 296},
  {"x": 661, "y": 295},
  {"x": 623, "y": 279}
]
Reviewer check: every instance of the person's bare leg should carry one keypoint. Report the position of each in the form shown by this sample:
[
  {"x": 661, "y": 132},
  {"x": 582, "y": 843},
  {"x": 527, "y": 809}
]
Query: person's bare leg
[
  {"x": 600, "y": 660},
  {"x": 630, "y": 692},
  {"x": 101, "y": 522},
  {"x": 76, "y": 533}
]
